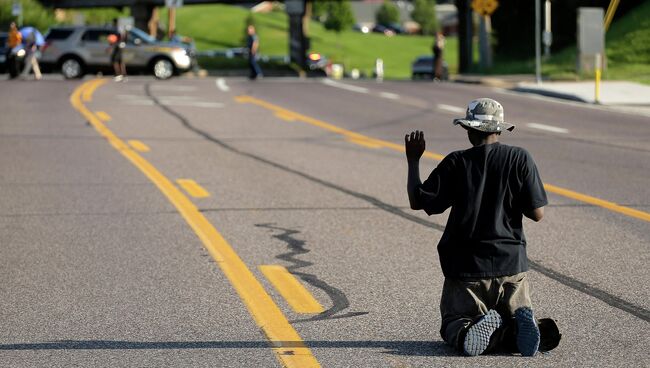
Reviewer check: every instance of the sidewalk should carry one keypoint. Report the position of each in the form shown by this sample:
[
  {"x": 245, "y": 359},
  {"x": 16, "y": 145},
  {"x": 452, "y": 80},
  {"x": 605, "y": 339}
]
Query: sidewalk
[{"x": 612, "y": 93}]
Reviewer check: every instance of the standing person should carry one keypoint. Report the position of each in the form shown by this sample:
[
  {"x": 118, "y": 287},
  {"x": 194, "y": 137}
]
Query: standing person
[
  {"x": 485, "y": 303},
  {"x": 438, "y": 48},
  {"x": 14, "y": 39},
  {"x": 253, "y": 45},
  {"x": 118, "y": 43},
  {"x": 31, "y": 55}
]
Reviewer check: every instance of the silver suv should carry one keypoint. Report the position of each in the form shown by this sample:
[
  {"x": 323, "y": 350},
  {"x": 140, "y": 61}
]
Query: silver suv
[{"x": 80, "y": 49}]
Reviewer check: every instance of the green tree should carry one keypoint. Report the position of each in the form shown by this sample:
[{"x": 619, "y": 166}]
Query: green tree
[
  {"x": 338, "y": 15},
  {"x": 424, "y": 13},
  {"x": 387, "y": 14}
]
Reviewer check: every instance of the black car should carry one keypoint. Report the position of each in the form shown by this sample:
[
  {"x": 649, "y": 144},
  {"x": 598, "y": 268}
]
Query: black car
[
  {"x": 422, "y": 68},
  {"x": 11, "y": 63},
  {"x": 3, "y": 52}
]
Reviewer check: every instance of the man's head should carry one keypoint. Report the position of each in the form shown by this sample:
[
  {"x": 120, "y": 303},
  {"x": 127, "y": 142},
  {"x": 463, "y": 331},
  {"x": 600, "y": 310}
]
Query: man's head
[
  {"x": 251, "y": 29},
  {"x": 12, "y": 26},
  {"x": 484, "y": 115}
]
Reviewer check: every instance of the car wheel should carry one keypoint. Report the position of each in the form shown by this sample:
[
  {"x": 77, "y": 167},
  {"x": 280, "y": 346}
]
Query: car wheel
[
  {"x": 163, "y": 69},
  {"x": 72, "y": 68}
]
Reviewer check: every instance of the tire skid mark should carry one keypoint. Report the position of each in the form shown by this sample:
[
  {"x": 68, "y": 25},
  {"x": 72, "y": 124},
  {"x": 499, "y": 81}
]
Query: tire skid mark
[{"x": 297, "y": 248}]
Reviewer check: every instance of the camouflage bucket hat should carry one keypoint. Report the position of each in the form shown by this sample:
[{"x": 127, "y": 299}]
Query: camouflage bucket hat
[{"x": 486, "y": 115}]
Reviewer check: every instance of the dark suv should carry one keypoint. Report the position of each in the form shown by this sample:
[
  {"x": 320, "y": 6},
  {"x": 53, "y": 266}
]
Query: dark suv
[{"x": 80, "y": 49}]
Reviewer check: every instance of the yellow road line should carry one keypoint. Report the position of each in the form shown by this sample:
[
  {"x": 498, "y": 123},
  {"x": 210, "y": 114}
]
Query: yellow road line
[
  {"x": 285, "y": 117},
  {"x": 598, "y": 202},
  {"x": 364, "y": 143},
  {"x": 291, "y": 289},
  {"x": 138, "y": 145},
  {"x": 103, "y": 116},
  {"x": 87, "y": 92},
  {"x": 287, "y": 345},
  {"x": 193, "y": 188},
  {"x": 350, "y": 135}
]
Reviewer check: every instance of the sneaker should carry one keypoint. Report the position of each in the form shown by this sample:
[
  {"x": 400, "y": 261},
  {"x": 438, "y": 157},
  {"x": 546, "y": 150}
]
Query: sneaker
[
  {"x": 118, "y": 78},
  {"x": 478, "y": 336},
  {"x": 527, "y": 331}
]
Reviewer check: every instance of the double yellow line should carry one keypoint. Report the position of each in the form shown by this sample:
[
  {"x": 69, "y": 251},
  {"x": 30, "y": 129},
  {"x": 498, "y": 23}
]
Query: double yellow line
[
  {"x": 369, "y": 142},
  {"x": 287, "y": 345}
]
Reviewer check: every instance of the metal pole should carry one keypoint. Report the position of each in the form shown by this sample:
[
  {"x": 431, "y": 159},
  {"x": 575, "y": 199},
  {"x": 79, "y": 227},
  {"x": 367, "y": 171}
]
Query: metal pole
[
  {"x": 546, "y": 39},
  {"x": 611, "y": 9},
  {"x": 538, "y": 46}
]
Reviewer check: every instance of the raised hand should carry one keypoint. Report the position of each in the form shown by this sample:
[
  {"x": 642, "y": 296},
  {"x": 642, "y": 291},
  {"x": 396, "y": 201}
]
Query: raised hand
[{"x": 415, "y": 145}]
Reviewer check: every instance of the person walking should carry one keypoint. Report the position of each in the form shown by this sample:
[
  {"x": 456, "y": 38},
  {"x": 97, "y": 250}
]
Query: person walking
[
  {"x": 485, "y": 303},
  {"x": 252, "y": 46},
  {"x": 117, "y": 43},
  {"x": 14, "y": 40},
  {"x": 31, "y": 55},
  {"x": 438, "y": 48}
]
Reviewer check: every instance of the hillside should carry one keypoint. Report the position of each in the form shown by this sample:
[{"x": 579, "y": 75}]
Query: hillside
[
  {"x": 222, "y": 26},
  {"x": 627, "y": 46}
]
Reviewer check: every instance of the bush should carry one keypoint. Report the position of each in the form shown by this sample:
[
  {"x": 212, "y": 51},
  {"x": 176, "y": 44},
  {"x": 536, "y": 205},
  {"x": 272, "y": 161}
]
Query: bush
[
  {"x": 424, "y": 13},
  {"x": 338, "y": 15},
  {"x": 387, "y": 14}
]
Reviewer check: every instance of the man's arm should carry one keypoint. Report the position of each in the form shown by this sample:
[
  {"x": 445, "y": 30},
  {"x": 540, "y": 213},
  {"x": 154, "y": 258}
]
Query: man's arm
[
  {"x": 414, "y": 145},
  {"x": 536, "y": 215}
]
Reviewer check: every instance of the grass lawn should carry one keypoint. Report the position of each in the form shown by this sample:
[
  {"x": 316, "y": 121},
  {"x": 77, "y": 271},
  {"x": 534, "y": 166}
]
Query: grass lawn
[
  {"x": 222, "y": 26},
  {"x": 627, "y": 48}
]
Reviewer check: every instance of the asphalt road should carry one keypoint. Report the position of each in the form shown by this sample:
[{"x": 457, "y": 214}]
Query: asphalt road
[{"x": 108, "y": 261}]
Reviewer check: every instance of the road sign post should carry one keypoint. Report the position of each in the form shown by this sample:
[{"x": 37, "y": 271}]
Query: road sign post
[
  {"x": 485, "y": 8},
  {"x": 17, "y": 11}
]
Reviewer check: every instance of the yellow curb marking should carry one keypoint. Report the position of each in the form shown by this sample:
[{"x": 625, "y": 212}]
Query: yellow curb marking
[
  {"x": 438, "y": 157},
  {"x": 138, "y": 145},
  {"x": 193, "y": 188},
  {"x": 285, "y": 342},
  {"x": 291, "y": 290}
]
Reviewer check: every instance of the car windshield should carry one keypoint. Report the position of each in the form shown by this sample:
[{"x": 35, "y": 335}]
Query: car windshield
[{"x": 142, "y": 35}]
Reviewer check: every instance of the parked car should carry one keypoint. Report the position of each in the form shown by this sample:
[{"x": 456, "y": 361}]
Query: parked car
[
  {"x": 422, "y": 68},
  {"x": 80, "y": 49},
  {"x": 378, "y": 28}
]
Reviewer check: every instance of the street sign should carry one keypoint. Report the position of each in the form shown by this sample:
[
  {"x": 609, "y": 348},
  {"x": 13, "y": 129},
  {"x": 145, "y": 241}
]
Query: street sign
[
  {"x": 16, "y": 9},
  {"x": 174, "y": 3},
  {"x": 485, "y": 7}
]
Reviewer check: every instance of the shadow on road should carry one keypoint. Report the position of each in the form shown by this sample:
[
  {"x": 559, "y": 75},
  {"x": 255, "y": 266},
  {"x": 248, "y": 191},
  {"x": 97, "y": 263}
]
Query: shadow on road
[{"x": 403, "y": 348}]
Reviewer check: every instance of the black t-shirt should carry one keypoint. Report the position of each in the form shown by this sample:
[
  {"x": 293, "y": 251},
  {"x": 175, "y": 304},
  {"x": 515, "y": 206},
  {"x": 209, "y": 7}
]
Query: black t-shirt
[
  {"x": 250, "y": 40},
  {"x": 488, "y": 187}
]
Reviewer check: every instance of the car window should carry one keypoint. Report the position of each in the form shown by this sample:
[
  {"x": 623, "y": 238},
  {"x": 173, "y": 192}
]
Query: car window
[
  {"x": 96, "y": 35},
  {"x": 58, "y": 34},
  {"x": 136, "y": 33}
]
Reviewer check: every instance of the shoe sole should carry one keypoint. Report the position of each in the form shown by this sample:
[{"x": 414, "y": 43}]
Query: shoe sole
[
  {"x": 528, "y": 335},
  {"x": 478, "y": 336}
]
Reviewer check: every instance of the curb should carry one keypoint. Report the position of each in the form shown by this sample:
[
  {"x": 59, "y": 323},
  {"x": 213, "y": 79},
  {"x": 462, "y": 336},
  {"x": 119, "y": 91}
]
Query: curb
[{"x": 547, "y": 93}]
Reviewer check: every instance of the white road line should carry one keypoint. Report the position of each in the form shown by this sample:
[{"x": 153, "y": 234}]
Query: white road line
[
  {"x": 348, "y": 87},
  {"x": 173, "y": 88},
  {"x": 191, "y": 103},
  {"x": 388, "y": 95},
  {"x": 140, "y": 102},
  {"x": 221, "y": 84},
  {"x": 549, "y": 128},
  {"x": 450, "y": 108}
]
